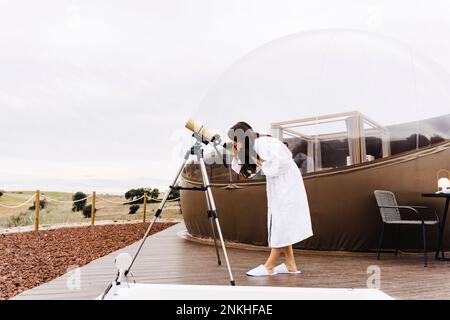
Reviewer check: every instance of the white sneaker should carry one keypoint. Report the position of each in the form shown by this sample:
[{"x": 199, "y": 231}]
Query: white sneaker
[
  {"x": 282, "y": 269},
  {"x": 260, "y": 271}
]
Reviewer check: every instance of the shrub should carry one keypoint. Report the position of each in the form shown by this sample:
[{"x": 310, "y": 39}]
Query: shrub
[
  {"x": 134, "y": 208},
  {"x": 42, "y": 205},
  {"x": 139, "y": 193},
  {"x": 1, "y": 193},
  {"x": 174, "y": 194},
  {"x": 78, "y": 206},
  {"x": 21, "y": 219},
  {"x": 87, "y": 211},
  {"x": 154, "y": 194},
  {"x": 134, "y": 193}
]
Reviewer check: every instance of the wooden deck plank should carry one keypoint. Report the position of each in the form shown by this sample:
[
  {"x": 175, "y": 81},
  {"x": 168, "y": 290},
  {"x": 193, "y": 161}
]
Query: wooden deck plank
[{"x": 169, "y": 259}]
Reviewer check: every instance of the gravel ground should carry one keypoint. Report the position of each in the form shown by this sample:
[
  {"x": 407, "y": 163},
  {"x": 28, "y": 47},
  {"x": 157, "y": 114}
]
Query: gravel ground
[{"x": 29, "y": 259}]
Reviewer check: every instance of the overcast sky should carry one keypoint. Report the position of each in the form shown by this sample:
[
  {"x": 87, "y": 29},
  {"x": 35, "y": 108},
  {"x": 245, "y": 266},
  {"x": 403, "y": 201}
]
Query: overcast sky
[{"x": 93, "y": 93}]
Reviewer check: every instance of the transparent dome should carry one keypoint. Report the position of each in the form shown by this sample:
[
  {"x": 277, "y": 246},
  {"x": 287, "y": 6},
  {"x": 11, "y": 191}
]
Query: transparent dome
[{"x": 353, "y": 96}]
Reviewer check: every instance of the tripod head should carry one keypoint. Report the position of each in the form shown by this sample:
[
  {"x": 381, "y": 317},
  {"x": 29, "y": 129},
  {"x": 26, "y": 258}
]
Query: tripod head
[
  {"x": 200, "y": 143},
  {"x": 215, "y": 141}
]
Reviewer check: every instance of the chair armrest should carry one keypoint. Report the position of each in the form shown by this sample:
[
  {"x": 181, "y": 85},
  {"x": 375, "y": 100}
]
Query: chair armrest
[
  {"x": 406, "y": 207},
  {"x": 428, "y": 208}
]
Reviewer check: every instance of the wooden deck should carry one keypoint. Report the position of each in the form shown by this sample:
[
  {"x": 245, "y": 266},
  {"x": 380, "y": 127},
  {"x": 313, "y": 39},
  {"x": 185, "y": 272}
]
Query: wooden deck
[{"x": 169, "y": 259}]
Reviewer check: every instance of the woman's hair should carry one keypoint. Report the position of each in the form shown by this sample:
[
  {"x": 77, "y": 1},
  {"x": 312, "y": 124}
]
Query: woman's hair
[{"x": 242, "y": 132}]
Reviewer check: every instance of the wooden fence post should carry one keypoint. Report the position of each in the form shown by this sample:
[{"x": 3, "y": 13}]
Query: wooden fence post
[
  {"x": 145, "y": 207},
  {"x": 37, "y": 205},
  {"x": 93, "y": 209}
]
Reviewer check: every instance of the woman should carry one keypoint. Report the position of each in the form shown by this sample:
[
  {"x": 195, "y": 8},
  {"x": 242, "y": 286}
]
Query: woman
[{"x": 288, "y": 218}]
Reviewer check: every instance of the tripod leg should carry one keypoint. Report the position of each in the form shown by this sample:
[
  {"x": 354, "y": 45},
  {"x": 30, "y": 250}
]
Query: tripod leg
[
  {"x": 214, "y": 213},
  {"x": 211, "y": 218},
  {"x": 158, "y": 212},
  {"x": 224, "y": 250}
]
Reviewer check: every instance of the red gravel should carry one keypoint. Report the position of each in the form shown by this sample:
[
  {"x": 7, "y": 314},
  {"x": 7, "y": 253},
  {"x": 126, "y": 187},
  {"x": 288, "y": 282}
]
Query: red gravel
[{"x": 29, "y": 259}]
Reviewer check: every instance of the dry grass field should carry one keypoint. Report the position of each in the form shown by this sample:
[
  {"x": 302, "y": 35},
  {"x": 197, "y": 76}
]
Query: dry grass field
[{"x": 61, "y": 212}]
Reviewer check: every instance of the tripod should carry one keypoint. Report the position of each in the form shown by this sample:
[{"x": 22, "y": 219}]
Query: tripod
[{"x": 195, "y": 150}]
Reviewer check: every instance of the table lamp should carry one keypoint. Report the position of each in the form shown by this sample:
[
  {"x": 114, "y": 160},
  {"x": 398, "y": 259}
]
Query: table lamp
[{"x": 443, "y": 182}]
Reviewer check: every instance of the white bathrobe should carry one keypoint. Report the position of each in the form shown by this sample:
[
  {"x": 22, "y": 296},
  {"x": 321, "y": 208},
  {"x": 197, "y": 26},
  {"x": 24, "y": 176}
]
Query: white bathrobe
[{"x": 288, "y": 219}]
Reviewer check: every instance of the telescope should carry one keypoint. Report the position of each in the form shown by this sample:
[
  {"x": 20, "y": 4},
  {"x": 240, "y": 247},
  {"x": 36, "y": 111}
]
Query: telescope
[
  {"x": 200, "y": 132},
  {"x": 207, "y": 136},
  {"x": 203, "y": 137}
]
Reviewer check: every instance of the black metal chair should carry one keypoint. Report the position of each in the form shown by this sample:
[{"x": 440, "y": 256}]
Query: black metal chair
[{"x": 390, "y": 214}]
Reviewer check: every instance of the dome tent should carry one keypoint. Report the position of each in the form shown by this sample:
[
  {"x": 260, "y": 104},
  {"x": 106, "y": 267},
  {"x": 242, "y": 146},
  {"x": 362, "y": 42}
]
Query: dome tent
[{"x": 317, "y": 76}]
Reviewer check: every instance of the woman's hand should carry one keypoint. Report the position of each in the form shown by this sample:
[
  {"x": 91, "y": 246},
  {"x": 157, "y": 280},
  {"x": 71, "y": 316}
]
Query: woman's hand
[{"x": 257, "y": 161}]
